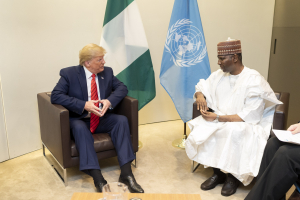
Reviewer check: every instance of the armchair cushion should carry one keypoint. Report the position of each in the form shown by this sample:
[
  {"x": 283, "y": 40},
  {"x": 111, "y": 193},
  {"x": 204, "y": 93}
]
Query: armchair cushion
[{"x": 102, "y": 142}]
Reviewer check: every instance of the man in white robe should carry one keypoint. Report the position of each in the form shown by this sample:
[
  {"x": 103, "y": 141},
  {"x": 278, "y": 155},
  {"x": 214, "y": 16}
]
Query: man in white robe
[{"x": 233, "y": 137}]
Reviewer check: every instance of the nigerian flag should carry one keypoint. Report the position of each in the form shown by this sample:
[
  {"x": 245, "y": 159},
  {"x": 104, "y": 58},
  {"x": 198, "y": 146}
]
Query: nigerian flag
[{"x": 124, "y": 39}]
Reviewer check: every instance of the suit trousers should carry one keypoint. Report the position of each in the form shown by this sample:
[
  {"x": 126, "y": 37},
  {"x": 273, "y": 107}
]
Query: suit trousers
[
  {"x": 278, "y": 171},
  {"x": 118, "y": 129}
]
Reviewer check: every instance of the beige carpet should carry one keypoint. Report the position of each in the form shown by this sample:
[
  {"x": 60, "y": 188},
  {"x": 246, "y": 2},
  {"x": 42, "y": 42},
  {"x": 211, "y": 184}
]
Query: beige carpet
[{"x": 161, "y": 169}]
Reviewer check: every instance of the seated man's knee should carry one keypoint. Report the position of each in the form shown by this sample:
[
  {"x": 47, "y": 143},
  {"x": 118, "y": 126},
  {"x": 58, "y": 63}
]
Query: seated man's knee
[
  {"x": 121, "y": 119},
  {"x": 282, "y": 153},
  {"x": 79, "y": 127},
  {"x": 121, "y": 123},
  {"x": 273, "y": 143}
]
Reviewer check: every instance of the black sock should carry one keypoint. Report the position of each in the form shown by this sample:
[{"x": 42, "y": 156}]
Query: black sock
[
  {"x": 126, "y": 170},
  {"x": 97, "y": 176},
  {"x": 231, "y": 176},
  {"x": 218, "y": 172}
]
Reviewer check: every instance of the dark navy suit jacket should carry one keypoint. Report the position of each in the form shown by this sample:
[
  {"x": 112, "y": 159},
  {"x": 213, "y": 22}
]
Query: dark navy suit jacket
[{"x": 71, "y": 90}]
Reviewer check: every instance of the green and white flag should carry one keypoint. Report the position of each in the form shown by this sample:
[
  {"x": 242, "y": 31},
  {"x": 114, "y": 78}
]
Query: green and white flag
[{"x": 124, "y": 39}]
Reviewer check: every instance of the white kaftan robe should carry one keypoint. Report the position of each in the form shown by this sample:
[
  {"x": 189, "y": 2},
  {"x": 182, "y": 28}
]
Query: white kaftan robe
[{"x": 233, "y": 147}]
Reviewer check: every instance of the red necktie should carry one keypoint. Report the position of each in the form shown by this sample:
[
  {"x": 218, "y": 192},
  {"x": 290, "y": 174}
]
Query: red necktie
[{"x": 94, "y": 96}]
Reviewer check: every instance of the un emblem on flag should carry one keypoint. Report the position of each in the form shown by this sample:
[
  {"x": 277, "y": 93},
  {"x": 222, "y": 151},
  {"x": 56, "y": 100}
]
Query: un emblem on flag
[{"x": 185, "y": 43}]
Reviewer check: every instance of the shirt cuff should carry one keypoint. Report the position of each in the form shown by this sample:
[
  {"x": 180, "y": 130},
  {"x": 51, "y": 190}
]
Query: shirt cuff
[{"x": 242, "y": 115}]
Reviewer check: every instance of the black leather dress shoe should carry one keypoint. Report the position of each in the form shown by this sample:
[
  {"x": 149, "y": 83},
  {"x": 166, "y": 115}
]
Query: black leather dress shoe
[
  {"x": 230, "y": 186},
  {"x": 133, "y": 186},
  {"x": 100, "y": 185},
  {"x": 295, "y": 195},
  {"x": 213, "y": 181}
]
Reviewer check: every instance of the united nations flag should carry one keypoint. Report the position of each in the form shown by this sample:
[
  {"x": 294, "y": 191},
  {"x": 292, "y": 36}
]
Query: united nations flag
[{"x": 185, "y": 58}]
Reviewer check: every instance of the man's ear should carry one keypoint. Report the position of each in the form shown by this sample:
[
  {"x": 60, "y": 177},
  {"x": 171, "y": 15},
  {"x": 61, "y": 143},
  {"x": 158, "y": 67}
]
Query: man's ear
[
  {"x": 235, "y": 58},
  {"x": 86, "y": 63}
]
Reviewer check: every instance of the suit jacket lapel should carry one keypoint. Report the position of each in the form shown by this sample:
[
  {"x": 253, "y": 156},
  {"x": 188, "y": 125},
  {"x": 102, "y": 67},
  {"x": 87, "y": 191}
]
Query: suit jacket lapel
[
  {"x": 82, "y": 81},
  {"x": 101, "y": 82}
]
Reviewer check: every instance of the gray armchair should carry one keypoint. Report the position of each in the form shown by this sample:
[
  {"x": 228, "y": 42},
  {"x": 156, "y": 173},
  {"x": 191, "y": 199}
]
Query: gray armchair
[{"x": 56, "y": 137}]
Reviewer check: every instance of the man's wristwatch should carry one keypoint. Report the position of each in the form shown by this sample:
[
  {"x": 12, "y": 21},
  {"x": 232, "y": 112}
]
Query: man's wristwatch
[{"x": 217, "y": 119}]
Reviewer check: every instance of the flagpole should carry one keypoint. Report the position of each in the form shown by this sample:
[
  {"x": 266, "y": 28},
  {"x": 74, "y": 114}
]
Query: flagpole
[{"x": 180, "y": 143}]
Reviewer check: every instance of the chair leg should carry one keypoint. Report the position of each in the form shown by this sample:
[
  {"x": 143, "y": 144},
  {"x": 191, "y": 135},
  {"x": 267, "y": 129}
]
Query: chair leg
[
  {"x": 193, "y": 166},
  {"x": 64, "y": 178},
  {"x": 135, "y": 161}
]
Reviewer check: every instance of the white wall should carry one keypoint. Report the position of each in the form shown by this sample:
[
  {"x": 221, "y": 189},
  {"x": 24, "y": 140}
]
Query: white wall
[
  {"x": 39, "y": 37},
  {"x": 4, "y": 155}
]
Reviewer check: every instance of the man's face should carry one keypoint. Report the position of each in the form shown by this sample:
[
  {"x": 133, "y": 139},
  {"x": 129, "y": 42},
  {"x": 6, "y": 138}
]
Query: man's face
[
  {"x": 226, "y": 63},
  {"x": 95, "y": 65}
]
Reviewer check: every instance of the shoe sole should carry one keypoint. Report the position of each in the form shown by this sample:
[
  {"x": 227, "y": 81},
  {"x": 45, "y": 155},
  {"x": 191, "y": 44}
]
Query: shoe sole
[
  {"x": 227, "y": 195},
  {"x": 127, "y": 184}
]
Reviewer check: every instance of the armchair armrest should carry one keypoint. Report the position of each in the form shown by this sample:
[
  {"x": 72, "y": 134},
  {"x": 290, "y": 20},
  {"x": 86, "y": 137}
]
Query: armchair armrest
[
  {"x": 196, "y": 112},
  {"x": 281, "y": 112},
  {"x": 129, "y": 108},
  {"x": 54, "y": 127}
]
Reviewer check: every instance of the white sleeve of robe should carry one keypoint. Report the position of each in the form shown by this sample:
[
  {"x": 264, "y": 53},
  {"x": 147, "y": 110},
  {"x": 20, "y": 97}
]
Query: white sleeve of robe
[
  {"x": 253, "y": 110},
  {"x": 209, "y": 82}
]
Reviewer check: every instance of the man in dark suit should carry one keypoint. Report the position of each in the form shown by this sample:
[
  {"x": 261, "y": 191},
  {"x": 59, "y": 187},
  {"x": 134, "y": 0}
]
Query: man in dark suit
[
  {"x": 279, "y": 170},
  {"x": 89, "y": 91}
]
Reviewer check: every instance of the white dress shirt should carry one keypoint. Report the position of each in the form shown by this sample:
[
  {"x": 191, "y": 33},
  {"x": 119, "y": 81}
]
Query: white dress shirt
[{"x": 88, "y": 76}]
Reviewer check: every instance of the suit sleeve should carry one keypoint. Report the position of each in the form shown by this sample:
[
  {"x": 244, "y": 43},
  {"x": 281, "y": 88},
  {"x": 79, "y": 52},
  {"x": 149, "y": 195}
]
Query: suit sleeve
[
  {"x": 60, "y": 95},
  {"x": 119, "y": 91}
]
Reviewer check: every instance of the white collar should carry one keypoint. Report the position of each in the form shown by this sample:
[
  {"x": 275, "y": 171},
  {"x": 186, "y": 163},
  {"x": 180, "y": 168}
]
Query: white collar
[{"x": 88, "y": 74}]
